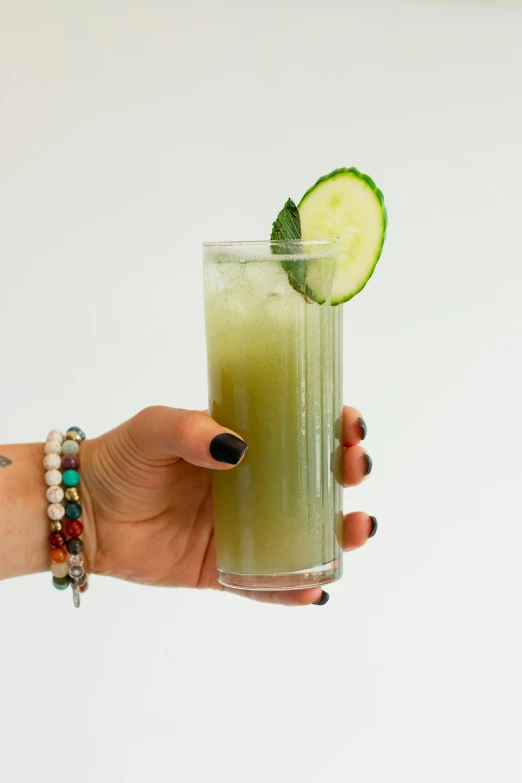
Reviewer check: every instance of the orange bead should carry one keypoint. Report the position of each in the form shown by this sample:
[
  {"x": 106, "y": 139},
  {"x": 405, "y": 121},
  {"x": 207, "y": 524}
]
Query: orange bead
[{"x": 59, "y": 554}]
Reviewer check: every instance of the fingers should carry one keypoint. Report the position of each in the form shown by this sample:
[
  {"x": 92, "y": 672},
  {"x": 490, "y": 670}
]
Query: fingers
[
  {"x": 357, "y": 465},
  {"x": 354, "y": 427},
  {"x": 356, "y": 462},
  {"x": 358, "y": 528},
  {"x": 304, "y": 597},
  {"x": 163, "y": 433}
]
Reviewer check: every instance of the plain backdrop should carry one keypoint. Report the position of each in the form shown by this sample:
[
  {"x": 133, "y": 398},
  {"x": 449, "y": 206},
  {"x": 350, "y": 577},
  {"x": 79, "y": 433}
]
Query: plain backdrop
[{"x": 130, "y": 132}]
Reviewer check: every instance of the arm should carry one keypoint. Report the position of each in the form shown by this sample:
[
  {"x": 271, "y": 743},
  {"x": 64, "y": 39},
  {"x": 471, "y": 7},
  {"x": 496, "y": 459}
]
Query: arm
[{"x": 24, "y": 528}]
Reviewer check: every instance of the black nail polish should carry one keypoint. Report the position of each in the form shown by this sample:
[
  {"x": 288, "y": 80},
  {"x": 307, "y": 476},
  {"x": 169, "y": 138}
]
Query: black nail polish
[
  {"x": 227, "y": 448},
  {"x": 364, "y": 428},
  {"x": 325, "y": 597},
  {"x": 374, "y": 527},
  {"x": 369, "y": 464}
]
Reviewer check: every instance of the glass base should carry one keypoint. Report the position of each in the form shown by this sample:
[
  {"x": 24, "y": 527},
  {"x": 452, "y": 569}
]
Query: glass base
[{"x": 291, "y": 580}]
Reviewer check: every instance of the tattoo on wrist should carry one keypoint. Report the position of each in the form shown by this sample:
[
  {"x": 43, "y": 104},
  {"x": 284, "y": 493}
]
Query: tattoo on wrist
[{"x": 5, "y": 462}]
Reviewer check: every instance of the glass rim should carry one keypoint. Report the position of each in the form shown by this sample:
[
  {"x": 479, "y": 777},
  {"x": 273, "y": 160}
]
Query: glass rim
[{"x": 272, "y": 242}]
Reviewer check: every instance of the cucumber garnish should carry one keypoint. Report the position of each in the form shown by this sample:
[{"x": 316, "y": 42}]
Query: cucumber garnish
[
  {"x": 348, "y": 205},
  {"x": 344, "y": 204}
]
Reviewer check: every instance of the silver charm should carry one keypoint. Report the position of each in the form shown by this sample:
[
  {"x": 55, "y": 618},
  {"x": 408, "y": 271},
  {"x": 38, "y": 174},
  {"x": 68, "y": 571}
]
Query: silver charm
[
  {"x": 76, "y": 572},
  {"x": 76, "y": 596}
]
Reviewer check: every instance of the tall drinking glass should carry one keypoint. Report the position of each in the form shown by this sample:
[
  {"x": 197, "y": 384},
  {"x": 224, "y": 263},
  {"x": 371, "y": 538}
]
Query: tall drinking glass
[{"x": 274, "y": 346}]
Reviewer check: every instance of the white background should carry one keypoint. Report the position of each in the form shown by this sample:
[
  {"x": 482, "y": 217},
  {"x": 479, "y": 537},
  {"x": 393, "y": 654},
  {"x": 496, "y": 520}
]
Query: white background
[{"x": 129, "y": 133}]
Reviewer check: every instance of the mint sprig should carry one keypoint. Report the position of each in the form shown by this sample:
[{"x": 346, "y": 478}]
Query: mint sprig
[
  {"x": 287, "y": 228},
  {"x": 287, "y": 225}
]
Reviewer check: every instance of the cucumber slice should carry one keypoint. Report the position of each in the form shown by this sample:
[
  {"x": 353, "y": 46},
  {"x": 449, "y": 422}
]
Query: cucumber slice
[{"x": 348, "y": 205}]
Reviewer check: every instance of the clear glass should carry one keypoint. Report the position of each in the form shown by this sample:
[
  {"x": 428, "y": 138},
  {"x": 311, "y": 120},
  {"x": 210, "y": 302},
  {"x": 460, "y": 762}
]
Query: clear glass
[{"x": 274, "y": 346}]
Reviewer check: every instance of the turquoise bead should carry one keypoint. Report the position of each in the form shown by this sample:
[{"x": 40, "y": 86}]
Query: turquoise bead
[
  {"x": 71, "y": 478},
  {"x": 61, "y": 582}
]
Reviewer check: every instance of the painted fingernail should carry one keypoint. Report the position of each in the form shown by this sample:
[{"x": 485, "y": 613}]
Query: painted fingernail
[
  {"x": 325, "y": 597},
  {"x": 227, "y": 448},
  {"x": 364, "y": 428},
  {"x": 374, "y": 527},
  {"x": 369, "y": 464}
]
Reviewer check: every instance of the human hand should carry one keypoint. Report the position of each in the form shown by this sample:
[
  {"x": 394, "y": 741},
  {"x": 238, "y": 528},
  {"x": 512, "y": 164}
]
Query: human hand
[{"x": 146, "y": 493}]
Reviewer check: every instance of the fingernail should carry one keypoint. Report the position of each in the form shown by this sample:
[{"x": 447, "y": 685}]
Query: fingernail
[
  {"x": 369, "y": 464},
  {"x": 374, "y": 527},
  {"x": 325, "y": 597},
  {"x": 364, "y": 428},
  {"x": 227, "y": 448}
]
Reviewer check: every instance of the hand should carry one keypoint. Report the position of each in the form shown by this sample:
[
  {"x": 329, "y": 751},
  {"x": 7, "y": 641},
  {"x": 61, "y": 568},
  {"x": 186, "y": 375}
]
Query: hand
[{"x": 146, "y": 492}]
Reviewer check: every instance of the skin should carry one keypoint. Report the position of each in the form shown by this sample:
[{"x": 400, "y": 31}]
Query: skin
[{"x": 147, "y": 507}]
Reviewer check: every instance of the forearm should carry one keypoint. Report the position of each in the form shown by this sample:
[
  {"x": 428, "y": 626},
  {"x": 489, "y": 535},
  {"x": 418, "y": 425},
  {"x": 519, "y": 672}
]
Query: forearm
[{"x": 24, "y": 532}]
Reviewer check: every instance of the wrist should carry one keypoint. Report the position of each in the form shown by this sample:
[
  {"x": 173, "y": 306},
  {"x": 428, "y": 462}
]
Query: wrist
[{"x": 24, "y": 524}]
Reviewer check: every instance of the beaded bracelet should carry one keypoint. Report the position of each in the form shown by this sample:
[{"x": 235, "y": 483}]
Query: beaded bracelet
[{"x": 61, "y": 451}]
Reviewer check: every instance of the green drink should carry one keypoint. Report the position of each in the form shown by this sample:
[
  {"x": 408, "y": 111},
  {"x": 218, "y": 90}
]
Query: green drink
[
  {"x": 274, "y": 340},
  {"x": 275, "y": 378}
]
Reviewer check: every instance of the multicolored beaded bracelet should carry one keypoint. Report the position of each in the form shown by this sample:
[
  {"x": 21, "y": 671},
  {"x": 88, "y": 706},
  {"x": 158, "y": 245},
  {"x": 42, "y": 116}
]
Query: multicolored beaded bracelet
[{"x": 61, "y": 451}]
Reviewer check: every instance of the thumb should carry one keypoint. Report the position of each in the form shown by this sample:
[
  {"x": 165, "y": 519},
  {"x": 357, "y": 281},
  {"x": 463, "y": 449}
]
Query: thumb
[{"x": 162, "y": 433}]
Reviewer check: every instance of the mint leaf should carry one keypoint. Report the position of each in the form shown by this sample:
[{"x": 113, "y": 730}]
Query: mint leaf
[{"x": 287, "y": 225}]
